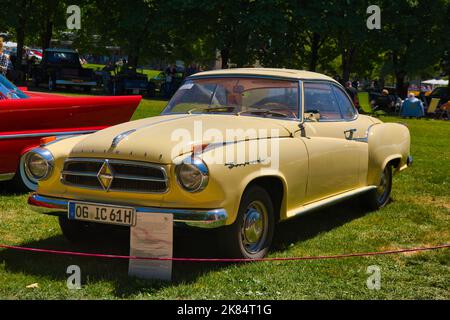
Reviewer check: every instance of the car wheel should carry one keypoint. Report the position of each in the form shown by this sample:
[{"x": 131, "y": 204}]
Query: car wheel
[
  {"x": 250, "y": 236},
  {"x": 79, "y": 231},
  {"x": 21, "y": 181},
  {"x": 379, "y": 197}
]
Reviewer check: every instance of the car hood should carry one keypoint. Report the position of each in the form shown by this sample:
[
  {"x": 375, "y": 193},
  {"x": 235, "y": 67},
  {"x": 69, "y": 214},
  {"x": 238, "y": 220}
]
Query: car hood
[{"x": 160, "y": 139}]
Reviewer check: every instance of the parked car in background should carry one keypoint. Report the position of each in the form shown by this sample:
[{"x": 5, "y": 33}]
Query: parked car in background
[
  {"x": 129, "y": 81},
  {"x": 158, "y": 85},
  {"x": 62, "y": 67},
  {"x": 27, "y": 117},
  {"x": 438, "y": 93},
  {"x": 323, "y": 152}
]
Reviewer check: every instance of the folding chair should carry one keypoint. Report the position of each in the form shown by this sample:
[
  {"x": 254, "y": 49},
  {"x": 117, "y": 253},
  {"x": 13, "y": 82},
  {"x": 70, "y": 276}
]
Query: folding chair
[
  {"x": 433, "y": 107},
  {"x": 364, "y": 104}
]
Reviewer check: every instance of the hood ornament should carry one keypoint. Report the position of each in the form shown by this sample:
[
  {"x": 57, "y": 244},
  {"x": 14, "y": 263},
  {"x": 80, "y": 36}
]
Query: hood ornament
[{"x": 120, "y": 137}]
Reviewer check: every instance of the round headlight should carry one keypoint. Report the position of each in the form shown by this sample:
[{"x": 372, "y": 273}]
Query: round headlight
[
  {"x": 38, "y": 164},
  {"x": 192, "y": 174}
]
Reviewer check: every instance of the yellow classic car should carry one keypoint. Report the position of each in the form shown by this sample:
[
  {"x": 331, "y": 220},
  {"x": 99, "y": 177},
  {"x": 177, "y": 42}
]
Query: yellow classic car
[{"x": 237, "y": 150}]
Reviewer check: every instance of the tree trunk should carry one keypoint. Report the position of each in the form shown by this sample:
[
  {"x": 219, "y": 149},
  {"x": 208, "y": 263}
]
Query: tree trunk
[
  {"x": 47, "y": 34},
  {"x": 20, "y": 31},
  {"x": 400, "y": 75},
  {"x": 133, "y": 60},
  {"x": 400, "y": 86},
  {"x": 225, "y": 56},
  {"x": 347, "y": 60},
  {"x": 315, "y": 45}
]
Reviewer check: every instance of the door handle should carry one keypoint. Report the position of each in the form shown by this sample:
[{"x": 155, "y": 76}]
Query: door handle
[{"x": 349, "y": 133}]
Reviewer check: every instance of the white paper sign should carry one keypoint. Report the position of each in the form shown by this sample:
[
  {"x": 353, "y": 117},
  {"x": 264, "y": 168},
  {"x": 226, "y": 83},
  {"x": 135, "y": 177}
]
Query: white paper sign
[{"x": 152, "y": 237}]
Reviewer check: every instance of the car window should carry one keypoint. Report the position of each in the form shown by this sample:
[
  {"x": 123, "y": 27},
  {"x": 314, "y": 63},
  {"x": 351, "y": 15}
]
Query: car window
[
  {"x": 346, "y": 106},
  {"x": 319, "y": 97}
]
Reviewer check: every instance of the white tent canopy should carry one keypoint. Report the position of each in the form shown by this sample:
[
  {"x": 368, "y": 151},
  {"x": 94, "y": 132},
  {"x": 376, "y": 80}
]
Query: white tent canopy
[{"x": 436, "y": 82}]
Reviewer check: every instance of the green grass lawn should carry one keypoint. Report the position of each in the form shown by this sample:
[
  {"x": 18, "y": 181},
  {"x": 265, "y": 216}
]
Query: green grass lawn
[{"x": 417, "y": 216}]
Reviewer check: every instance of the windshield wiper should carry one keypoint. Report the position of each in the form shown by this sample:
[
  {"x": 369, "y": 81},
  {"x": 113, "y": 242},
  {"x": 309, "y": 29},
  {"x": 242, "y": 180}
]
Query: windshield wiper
[
  {"x": 226, "y": 108},
  {"x": 264, "y": 112}
]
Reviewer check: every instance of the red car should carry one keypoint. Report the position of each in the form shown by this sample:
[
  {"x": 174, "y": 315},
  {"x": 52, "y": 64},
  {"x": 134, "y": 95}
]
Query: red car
[{"x": 27, "y": 117}]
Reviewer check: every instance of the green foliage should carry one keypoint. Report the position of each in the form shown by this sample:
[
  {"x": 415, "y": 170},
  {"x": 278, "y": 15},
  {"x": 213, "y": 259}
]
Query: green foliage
[{"x": 327, "y": 36}]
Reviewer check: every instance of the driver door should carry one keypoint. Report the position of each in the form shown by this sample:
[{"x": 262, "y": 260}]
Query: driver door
[{"x": 334, "y": 160}]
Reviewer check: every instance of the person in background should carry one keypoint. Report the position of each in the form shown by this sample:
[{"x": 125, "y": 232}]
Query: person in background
[
  {"x": 386, "y": 101},
  {"x": 4, "y": 60},
  {"x": 192, "y": 69},
  {"x": 170, "y": 72},
  {"x": 412, "y": 107},
  {"x": 352, "y": 92}
]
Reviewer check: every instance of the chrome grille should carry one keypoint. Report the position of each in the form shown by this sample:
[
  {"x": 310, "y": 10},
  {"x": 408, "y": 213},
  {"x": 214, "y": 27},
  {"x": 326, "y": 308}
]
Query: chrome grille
[{"x": 114, "y": 175}]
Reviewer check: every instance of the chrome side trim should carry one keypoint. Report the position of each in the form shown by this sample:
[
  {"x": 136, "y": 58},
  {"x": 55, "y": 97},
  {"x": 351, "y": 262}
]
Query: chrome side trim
[
  {"x": 207, "y": 218},
  {"x": 328, "y": 201},
  {"x": 43, "y": 134},
  {"x": 7, "y": 176}
]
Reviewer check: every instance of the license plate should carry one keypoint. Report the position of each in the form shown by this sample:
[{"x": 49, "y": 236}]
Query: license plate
[{"x": 101, "y": 213}]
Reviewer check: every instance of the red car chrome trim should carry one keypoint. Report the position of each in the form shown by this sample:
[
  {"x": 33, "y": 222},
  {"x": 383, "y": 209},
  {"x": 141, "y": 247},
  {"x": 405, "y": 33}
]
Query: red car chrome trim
[
  {"x": 6, "y": 176},
  {"x": 44, "y": 134}
]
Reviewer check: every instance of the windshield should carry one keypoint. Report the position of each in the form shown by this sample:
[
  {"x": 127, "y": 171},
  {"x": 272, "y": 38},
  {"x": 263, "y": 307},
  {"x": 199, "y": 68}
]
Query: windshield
[
  {"x": 241, "y": 96},
  {"x": 68, "y": 58},
  {"x": 10, "y": 91}
]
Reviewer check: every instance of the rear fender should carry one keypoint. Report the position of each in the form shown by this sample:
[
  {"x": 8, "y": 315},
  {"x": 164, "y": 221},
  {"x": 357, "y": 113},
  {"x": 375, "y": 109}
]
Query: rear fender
[{"x": 387, "y": 142}]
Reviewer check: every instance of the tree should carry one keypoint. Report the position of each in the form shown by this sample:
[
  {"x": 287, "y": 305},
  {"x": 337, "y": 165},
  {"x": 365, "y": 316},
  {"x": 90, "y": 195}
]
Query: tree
[{"x": 411, "y": 37}]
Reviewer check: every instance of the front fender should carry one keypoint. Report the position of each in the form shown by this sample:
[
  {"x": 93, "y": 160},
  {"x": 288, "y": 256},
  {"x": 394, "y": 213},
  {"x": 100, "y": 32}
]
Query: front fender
[{"x": 386, "y": 142}]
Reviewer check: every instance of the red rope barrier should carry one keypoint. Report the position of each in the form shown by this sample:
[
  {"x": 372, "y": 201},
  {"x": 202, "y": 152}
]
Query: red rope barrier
[{"x": 111, "y": 256}]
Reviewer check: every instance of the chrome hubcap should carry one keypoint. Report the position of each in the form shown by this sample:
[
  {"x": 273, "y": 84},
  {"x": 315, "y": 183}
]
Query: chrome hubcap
[{"x": 254, "y": 227}]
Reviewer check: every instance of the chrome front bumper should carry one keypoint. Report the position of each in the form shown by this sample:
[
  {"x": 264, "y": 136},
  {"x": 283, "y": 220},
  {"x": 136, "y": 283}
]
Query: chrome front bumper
[{"x": 191, "y": 217}]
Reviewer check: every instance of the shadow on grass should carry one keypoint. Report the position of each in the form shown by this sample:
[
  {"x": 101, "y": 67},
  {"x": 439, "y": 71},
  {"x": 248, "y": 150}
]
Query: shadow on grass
[
  {"x": 187, "y": 243},
  {"x": 8, "y": 188},
  {"x": 312, "y": 223}
]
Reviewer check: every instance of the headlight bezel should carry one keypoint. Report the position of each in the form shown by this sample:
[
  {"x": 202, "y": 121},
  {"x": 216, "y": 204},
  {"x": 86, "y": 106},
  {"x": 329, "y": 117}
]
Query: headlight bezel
[
  {"x": 47, "y": 156},
  {"x": 199, "y": 165}
]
